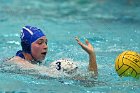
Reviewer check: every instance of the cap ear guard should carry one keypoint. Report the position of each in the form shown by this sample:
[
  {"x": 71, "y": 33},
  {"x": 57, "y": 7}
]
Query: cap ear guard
[{"x": 26, "y": 46}]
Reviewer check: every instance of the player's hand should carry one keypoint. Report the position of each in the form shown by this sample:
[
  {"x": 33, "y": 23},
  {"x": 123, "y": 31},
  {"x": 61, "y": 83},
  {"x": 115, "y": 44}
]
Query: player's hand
[{"x": 87, "y": 47}]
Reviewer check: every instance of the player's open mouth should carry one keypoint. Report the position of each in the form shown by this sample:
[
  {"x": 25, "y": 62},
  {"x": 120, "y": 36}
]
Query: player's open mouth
[{"x": 44, "y": 53}]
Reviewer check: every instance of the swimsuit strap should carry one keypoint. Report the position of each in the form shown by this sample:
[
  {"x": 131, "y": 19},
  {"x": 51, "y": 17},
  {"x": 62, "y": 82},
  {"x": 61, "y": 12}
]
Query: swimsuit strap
[{"x": 20, "y": 54}]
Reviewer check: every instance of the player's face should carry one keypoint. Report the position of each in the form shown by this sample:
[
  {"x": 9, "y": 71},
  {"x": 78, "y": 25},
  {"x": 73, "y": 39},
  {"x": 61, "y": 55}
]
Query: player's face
[{"x": 39, "y": 48}]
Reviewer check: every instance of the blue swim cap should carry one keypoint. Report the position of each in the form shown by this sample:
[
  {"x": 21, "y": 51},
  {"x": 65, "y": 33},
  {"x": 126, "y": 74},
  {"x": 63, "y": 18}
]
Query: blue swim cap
[{"x": 29, "y": 34}]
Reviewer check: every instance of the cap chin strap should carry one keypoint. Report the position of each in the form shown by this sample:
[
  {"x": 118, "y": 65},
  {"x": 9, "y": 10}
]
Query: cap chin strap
[{"x": 34, "y": 60}]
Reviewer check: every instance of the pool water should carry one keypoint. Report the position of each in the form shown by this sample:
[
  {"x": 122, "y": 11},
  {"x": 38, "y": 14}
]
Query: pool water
[{"x": 112, "y": 26}]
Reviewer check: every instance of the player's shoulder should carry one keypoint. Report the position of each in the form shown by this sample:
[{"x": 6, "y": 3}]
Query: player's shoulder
[
  {"x": 12, "y": 59},
  {"x": 18, "y": 61}
]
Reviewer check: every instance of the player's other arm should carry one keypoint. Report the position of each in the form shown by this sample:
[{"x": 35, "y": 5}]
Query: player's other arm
[{"x": 92, "y": 57}]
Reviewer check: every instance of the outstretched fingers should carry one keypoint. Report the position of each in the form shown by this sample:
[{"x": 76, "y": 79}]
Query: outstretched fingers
[
  {"x": 88, "y": 44},
  {"x": 80, "y": 43},
  {"x": 77, "y": 40}
]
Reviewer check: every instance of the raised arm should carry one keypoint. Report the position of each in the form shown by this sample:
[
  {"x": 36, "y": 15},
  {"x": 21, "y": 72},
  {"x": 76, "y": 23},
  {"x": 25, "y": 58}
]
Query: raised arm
[{"x": 92, "y": 57}]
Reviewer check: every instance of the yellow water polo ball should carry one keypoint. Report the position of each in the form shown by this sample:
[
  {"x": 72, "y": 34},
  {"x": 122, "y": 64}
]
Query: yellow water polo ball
[{"x": 127, "y": 64}]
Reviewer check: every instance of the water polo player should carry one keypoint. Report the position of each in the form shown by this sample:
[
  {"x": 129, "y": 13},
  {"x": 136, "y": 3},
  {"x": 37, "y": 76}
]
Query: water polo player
[
  {"x": 34, "y": 50},
  {"x": 34, "y": 45}
]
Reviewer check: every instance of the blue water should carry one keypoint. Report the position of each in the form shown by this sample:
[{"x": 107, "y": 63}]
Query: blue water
[{"x": 112, "y": 26}]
